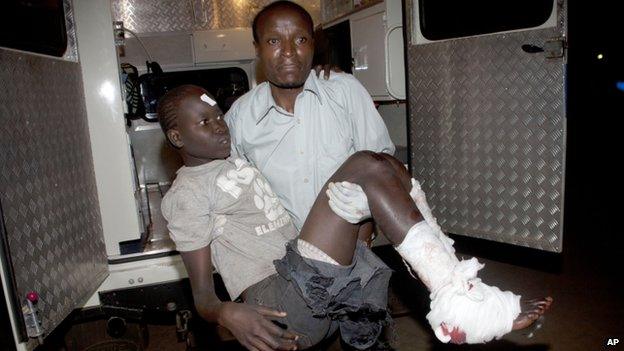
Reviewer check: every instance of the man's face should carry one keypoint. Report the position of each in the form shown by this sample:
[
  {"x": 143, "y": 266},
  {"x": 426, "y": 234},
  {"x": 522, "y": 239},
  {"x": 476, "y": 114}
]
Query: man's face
[
  {"x": 285, "y": 47},
  {"x": 201, "y": 132}
]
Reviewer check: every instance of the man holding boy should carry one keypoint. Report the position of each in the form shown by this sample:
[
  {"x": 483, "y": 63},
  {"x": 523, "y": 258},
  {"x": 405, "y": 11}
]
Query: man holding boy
[
  {"x": 222, "y": 213},
  {"x": 298, "y": 129}
]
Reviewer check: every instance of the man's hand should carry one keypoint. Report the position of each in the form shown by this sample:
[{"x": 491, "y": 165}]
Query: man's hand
[
  {"x": 348, "y": 201},
  {"x": 327, "y": 69},
  {"x": 252, "y": 327}
]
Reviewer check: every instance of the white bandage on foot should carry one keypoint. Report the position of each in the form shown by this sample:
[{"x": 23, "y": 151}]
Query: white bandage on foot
[
  {"x": 481, "y": 311},
  {"x": 460, "y": 302}
]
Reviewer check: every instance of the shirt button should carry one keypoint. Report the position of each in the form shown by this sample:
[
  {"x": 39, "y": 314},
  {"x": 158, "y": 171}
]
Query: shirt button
[
  {"x": 298, "y": 120},
  {"x": 301, "y": 152},
  {"x": 305, "y": 180}
]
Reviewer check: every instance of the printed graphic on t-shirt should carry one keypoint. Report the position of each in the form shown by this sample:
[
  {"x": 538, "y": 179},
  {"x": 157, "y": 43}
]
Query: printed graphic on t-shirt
[
  {"x": 265, "y": 199},
  {"x": 273, "y": 225},
  {"x": 243, "y": 174},
  {"x": 220, "y": 221},
  {"x": 236, "y": 181}
]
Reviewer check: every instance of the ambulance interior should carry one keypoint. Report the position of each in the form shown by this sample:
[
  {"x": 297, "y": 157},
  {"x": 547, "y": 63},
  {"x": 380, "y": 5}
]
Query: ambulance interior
[{"x": 223, "y": 62}]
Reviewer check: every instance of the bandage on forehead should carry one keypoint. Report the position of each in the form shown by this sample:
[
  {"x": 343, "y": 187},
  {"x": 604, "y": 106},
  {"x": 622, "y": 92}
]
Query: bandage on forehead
[{"x": 207, "y": 99}]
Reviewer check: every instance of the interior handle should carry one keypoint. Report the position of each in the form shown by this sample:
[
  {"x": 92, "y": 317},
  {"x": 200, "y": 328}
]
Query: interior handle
[{"x": 532, "y": 49}]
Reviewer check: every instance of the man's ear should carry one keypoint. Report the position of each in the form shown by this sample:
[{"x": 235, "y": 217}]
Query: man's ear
[
  {"x": 257, "y": 48},
  {"x": 174, "y": 138}
]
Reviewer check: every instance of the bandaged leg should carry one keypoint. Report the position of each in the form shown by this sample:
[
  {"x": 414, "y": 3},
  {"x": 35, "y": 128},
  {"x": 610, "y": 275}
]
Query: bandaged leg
[
  {"x": 463, "y": 309},
  {"x": 420, "y": 199}
]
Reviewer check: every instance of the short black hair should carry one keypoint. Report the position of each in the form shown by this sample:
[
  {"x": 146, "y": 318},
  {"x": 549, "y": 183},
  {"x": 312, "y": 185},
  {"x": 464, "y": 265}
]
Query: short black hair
[
  {"x": 168, "y": 105},
  {"x": 281, "y": 4}
]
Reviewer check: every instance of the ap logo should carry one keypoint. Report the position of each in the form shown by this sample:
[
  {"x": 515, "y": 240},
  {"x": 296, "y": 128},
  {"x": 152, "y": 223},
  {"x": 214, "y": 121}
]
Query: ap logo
[{"x": 613, "y": 342}]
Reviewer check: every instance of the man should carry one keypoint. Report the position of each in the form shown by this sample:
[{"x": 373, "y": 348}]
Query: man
[{"x": 298, "y": 129}]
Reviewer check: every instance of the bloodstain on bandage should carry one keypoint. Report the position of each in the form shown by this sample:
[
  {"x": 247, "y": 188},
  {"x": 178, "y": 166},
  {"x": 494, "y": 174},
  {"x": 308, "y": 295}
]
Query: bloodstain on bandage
[{"x": 457, "y": 336}]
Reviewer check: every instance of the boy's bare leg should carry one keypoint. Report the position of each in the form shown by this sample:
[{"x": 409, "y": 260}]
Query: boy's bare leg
[
  {"x": 389, "y": 201},
  {"x": 386, "y": 184}
]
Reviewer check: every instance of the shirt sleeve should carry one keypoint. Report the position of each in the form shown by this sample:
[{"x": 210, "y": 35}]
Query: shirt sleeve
[
  {"x": 369, "y": 130},
  {"x": 190, "y": 220},
  {"x": 231, "y": 119}
]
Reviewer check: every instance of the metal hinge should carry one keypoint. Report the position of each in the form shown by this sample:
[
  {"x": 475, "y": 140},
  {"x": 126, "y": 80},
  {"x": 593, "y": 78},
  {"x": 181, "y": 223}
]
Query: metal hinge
[{"x": 554, "y": 48}]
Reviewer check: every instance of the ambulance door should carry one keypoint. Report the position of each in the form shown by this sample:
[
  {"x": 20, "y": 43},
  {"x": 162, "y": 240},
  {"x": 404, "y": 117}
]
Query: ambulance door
[
  {"x": 487, "y": 122},
  {"x": 52, "y": 251}
]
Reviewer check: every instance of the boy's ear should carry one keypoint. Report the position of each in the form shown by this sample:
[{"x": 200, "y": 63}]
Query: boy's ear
[{"x": 174, "y": 138}]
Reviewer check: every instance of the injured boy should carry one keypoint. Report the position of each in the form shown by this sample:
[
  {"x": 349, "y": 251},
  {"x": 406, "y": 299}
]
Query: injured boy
[{"x": 297, "y": 289}]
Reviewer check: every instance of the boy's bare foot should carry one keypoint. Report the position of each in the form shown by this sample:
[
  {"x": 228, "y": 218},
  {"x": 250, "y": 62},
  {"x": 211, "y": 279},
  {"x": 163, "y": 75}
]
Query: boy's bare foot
[{"x": 531, "y": 311}]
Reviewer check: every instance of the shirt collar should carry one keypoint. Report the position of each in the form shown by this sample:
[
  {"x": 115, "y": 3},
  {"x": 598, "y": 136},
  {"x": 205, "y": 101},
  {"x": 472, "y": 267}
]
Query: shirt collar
[{"x": 311, "y": 85}]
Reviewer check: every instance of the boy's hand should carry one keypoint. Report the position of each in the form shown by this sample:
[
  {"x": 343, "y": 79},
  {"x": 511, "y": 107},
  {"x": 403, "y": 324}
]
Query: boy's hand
[{"x": 252, "y": 327}]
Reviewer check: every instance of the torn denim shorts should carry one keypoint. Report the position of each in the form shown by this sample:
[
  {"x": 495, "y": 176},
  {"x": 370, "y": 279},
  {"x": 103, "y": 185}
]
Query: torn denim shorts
[{"x": 320, "y": 298}]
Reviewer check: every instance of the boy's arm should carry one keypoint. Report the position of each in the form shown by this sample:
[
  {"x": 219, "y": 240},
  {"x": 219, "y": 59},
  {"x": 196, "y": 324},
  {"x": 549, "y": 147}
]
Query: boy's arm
[
  {"x": 249, "y": 324},
  {"x": 199, "y": 267}
]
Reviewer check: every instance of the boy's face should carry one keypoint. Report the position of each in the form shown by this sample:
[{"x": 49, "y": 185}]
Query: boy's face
[{"x": 201, "y": 133}]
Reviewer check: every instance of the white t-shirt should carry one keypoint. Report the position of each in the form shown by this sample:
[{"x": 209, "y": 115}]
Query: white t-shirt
[
  {"x": 228, "y": 205},
  {"x": 298, "y": 152}
]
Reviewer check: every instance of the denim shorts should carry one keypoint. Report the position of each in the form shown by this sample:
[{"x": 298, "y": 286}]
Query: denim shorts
[{"x": 320, "y": 298}]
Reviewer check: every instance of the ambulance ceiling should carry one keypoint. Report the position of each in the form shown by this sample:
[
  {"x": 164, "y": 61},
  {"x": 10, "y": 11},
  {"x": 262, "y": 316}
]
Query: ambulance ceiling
[{"x": 155, "y": 16}]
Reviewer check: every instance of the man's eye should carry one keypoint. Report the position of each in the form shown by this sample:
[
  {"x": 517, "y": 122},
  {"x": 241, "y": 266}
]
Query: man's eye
[
  {"x": 272, "y": 41},
  {"x": 302, "y": 40}
]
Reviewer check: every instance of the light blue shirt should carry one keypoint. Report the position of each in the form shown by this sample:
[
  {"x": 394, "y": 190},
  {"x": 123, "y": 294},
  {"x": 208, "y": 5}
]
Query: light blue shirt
[{"x": 298, "y": 152}]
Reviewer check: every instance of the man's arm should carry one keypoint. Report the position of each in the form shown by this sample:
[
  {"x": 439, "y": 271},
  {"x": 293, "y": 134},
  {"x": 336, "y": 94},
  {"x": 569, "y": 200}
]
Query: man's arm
[
  {"x": 231, "y": 119},
  {"x": 249, "y": 324},
  {"x": 369, "y": 130}
]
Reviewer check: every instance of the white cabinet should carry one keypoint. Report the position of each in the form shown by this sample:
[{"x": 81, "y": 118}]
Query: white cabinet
[
  {"x": 377, "y": 49},
  {"x": 223, "y": 45}
]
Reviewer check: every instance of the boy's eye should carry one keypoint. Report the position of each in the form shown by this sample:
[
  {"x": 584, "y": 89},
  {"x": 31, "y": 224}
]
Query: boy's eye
[{"x": 203, "y": 122}]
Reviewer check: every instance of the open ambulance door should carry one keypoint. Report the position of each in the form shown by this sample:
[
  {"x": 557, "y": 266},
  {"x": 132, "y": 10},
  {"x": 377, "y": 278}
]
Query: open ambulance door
[
  {"x": 487, "y": 124},
  {"x": 51, "y": 239}
]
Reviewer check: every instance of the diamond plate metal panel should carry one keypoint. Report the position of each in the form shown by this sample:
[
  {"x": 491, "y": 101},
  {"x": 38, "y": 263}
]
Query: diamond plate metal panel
[
  {"x": 47, "y": 184},
  {"x": 487, "y": 136},
  {"x": 152, "y": 16}
]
